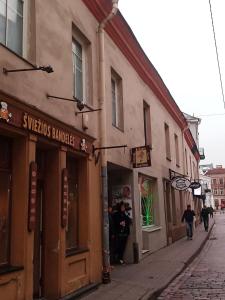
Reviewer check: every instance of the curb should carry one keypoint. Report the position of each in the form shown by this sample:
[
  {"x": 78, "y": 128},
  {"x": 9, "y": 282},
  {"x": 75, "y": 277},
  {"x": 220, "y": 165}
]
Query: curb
[{"x": 155, "y": 294}]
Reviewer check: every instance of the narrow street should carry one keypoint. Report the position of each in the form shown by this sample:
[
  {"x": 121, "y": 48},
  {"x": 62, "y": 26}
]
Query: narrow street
[{"x": 205, "y": 277}]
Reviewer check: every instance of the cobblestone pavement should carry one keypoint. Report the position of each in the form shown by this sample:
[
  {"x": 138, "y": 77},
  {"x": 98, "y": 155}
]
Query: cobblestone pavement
[{"x": 205, "y": 278}]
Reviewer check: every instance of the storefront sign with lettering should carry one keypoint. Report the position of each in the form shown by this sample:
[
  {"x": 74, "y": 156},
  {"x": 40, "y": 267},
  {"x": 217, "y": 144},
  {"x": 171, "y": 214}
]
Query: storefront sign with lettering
[
  {"x": 32, "y": 197},
  {"x": 180, "y": 183},
  {"x": 65, "y": 192}
]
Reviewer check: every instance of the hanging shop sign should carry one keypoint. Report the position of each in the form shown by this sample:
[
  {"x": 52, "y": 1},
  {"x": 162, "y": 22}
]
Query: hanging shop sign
[
  {"x": 42, "y": 127},
  {"x": 65, "y": 191},
  {"x": 180, "y": 183},
  {"x": 195, "y": 185},
  {"x": 32, "y": 197},
  {"x": 141, "y": 156}
]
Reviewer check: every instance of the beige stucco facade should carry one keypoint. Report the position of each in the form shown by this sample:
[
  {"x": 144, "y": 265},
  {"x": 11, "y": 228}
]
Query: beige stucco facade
[{"x": 49, "y": 28}]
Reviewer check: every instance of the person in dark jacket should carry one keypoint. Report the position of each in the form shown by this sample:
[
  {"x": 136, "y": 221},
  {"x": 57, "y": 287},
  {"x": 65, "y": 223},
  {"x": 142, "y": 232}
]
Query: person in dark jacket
[
  {"x": 211, "y": 211},
  {"x": 188, "y": 216},
  {"x": 122, "y": 229},
  {"x": 205, "y": 217},
  {"x": 112, "y": 233}
]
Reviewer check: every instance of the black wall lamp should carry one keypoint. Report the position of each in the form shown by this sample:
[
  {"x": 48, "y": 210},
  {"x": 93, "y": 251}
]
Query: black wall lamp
[
  {"x": 47, "y": 69},
  {"x": 80, "y": 104}
]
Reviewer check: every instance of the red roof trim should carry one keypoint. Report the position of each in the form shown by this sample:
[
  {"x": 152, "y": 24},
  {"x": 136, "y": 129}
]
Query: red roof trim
[{"x": 123, "y": 37}]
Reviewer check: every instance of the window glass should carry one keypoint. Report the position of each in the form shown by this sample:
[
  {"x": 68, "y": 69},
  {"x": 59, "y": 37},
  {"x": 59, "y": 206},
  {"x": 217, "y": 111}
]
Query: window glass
[
  {"x": 3, "y": 21},
  {"x": 147, "y": 124},
  {"x": 78, "y": 70},
  {"x": 72, "y": 228},
  {"x": 117, "y": 100},
  {"x": 167, "y": 139},
  {"x": 114, "y": 108},
  {"x": 147, "y": 201},
  {"x": 11, "y": 29}
]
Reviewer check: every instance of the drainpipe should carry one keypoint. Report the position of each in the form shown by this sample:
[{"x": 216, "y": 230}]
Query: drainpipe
[{"x": 103, "y": 143}]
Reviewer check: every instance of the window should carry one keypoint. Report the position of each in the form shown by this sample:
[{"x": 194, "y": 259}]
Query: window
[
  {"x": 117, "y": 100},
  {"x": 11, "y": 24},
  {"x": 73, "y": 207},
  {"x": 215, "y": 192},
  {"x": 221, "y": 191},
  {"x": 186, "y": 162},
  {"x": 5, "y": 200},
  {"x": 190, "y": 167},
  {"x": 147, "y": 124},
  {"x": 167, "y": 137},
  {"x": 177, "y": 150},
  {"x": 221, "y": 181},
  {"x": 214, "y": 181},
  {"x": 147, "y": 200},
  {"x": 78, "y": 66}
]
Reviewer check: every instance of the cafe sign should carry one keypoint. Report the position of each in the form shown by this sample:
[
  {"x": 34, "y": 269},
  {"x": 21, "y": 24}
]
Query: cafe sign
[
  {"x": 141, "y": 157},
  {"x": 195, "y": 185},
  {"x": 180, "y": 183}
]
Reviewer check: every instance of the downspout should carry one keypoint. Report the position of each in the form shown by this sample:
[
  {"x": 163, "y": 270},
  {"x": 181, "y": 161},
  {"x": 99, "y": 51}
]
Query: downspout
[{"x": 103, "y": 143}]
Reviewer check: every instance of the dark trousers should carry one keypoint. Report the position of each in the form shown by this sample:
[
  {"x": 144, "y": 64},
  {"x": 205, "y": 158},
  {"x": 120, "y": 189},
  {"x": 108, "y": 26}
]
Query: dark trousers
[
  {"x": 211, "y": 215},
  {"x": 189, "y": 229},
  {"x": 112, "y": 247},
  {"x": 121, "y": 245},
  {"x": 206, "y": 223}
]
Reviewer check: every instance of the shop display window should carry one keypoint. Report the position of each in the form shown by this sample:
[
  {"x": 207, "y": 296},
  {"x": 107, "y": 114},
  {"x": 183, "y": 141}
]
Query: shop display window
[{"x": 147, "y": 201}]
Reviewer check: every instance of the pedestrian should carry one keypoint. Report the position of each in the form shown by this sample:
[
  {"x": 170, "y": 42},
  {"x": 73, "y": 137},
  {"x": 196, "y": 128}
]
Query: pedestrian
[
  {"x": 122, "y": 229},
  {"x": 211, "y": 211},
  {"x": 188, "y": 216},
  {"x": 111, "y": 234},
  {"x": 205, "y": 217}
]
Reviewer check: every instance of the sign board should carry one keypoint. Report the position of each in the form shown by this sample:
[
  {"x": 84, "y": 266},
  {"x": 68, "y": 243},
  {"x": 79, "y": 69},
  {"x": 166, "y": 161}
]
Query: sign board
[
  {"x": 32, "y": 197},
  {"x": 44, "y": 126},
  {"x": 195, "y": 185},
  {"x": 197, "y": 191},
  {"x": 64, "y": 206},
  {"x": 180, "y": 183},
  {"x": 141, "y": 156}
]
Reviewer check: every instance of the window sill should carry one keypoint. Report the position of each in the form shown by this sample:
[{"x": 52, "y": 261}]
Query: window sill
[
  {"x": 18, "y": 55},
  {"x": 10, "y": 269},
  {"x": 77, "y": 251},
  {"x": 120, "y": 129},
  {"x": 169, "y": 159},
  {"x": 178, "y": 165},
  {"x": 151, "y": 228}
]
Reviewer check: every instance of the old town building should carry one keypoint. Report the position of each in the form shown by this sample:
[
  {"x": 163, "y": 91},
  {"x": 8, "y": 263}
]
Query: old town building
[
  {"x": 85, "y": 122},
  {"x": 217, "y": 176}
]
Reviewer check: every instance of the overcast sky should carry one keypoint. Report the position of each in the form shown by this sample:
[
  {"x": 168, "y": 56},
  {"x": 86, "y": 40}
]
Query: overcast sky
[{"x": 177, "y": 37}]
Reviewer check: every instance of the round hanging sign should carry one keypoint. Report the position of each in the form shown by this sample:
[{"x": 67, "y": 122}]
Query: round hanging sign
[
  {"x": 180, "y": 183},
  {"x": 195, "y": 185}
]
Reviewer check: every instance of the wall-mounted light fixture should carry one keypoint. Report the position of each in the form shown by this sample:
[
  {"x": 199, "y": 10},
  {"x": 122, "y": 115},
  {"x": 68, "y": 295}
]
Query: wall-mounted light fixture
[
  {"x": 80, "y": 105},
  {"x": 47, "y": 69}
]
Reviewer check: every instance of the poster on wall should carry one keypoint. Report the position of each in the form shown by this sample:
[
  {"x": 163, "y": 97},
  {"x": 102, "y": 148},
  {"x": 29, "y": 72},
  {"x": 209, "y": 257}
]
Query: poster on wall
[{"x": 122, "y": 193}]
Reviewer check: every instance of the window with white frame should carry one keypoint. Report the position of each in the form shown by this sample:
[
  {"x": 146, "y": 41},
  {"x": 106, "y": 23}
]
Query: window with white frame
[
  {"x": 215, "y": 191},
  {"x": 117, "y": 100},
  {"x": 221, "y": 192},
  {"x": 78, "y": 70},
  {"x": 11, "y": 24}
]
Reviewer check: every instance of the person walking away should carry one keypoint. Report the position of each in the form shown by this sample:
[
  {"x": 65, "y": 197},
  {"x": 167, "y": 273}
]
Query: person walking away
[
  {"x": 188, "y": 216},
  {"x": 205, "y": 217},
  {"x": 211, "y": 211},
  {"x": 122, "y": 228}
]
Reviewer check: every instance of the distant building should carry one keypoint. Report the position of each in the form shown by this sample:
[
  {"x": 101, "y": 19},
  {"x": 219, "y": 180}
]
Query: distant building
[
  {"x": 206, "y": 189},
  {"x": 217, "y": 176},
  {"x": 206, "y": 167}
]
